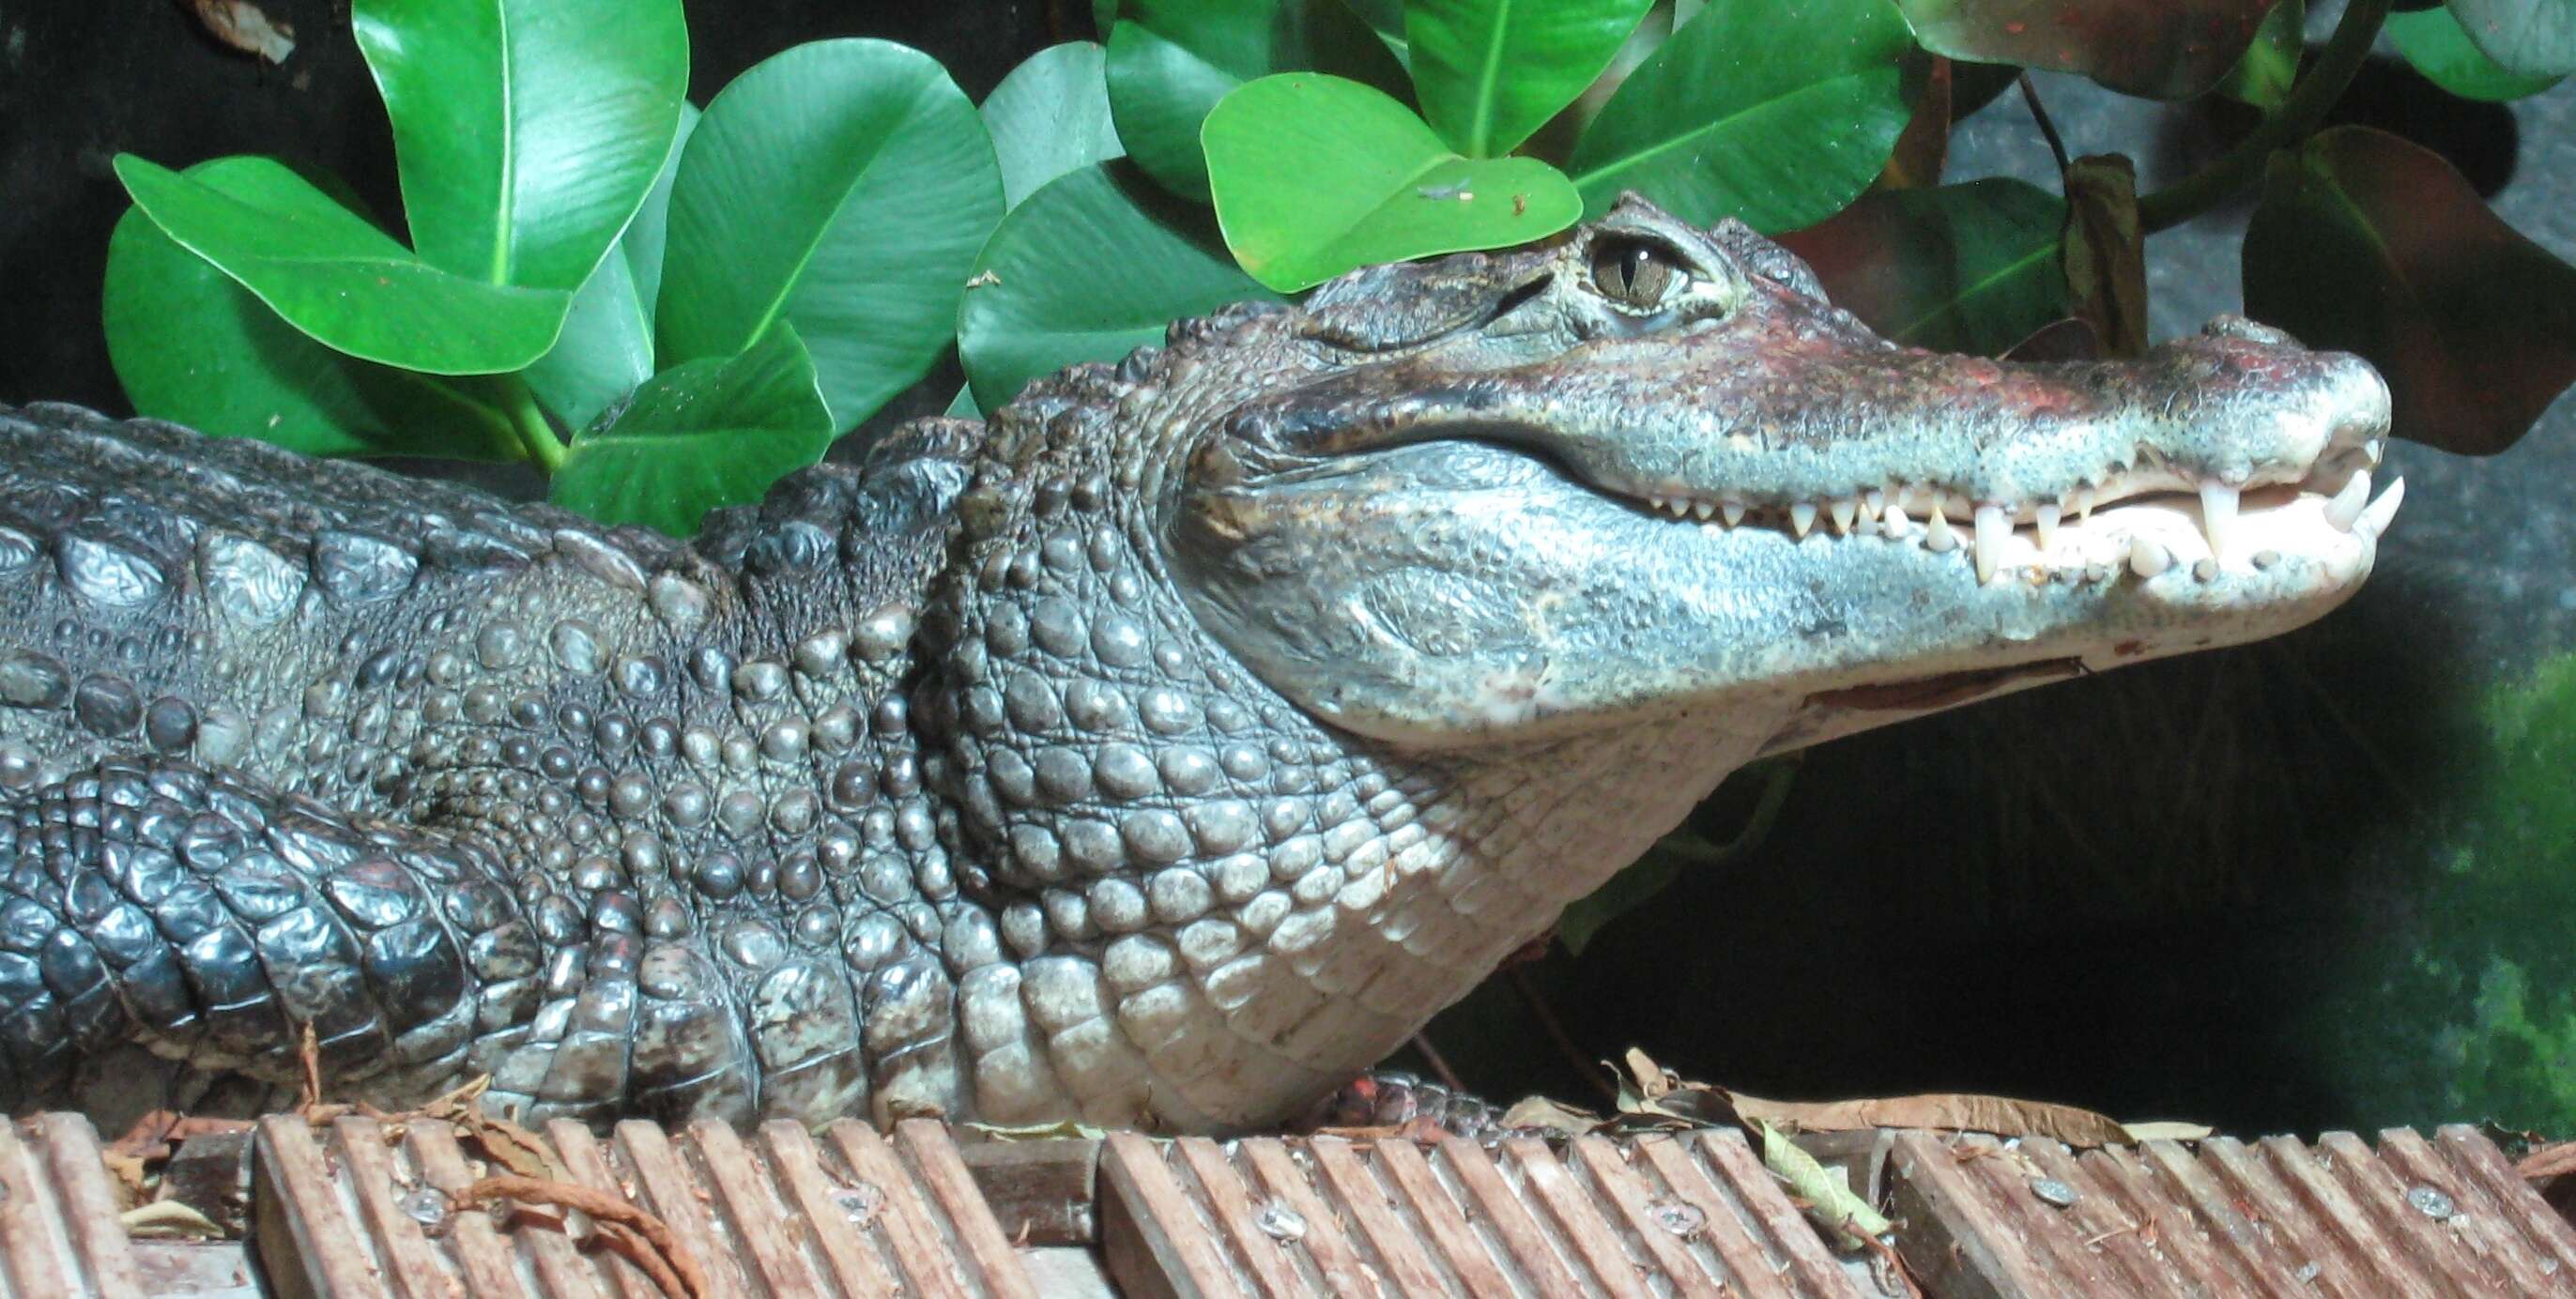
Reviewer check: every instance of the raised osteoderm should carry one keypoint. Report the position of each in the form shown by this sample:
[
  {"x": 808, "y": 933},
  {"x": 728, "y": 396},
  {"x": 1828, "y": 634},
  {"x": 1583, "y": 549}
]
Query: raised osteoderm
[{"x": 1162, "y": 752}]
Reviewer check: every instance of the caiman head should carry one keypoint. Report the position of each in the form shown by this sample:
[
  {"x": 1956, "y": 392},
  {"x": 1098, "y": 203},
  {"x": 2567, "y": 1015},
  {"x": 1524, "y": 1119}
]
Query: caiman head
[
  {"x": 1293, "y": 674},
  {"x": 1646, "y": 466}
]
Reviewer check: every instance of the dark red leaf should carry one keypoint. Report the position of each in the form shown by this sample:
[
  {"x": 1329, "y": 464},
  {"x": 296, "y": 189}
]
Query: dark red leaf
[
  {"x": 1958, "y": 268},
  {"x": 2368, "y": 243},
  {"x": 2162, "y": 49}
]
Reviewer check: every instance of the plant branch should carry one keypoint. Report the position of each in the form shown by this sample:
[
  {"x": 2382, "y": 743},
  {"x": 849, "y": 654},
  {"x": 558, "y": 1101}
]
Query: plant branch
[
  {"x": 2298, "y": 115},
  {"x": 2039, "y": 113},
  {"x": 530, "y": 423}
]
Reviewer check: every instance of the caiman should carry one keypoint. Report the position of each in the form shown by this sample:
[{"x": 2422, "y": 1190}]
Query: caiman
[{"x": 1162, "y": 751}]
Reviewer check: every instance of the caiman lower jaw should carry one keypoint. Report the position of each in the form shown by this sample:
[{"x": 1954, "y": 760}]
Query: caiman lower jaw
[{"x": 2145, "y": 521}]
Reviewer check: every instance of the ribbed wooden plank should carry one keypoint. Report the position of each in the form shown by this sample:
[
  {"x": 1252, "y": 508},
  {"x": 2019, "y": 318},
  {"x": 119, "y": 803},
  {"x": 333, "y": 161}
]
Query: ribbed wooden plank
[
  {"x": 1955, "y": 1240},
  {"x": 849, "y": 1251},
  {"x": 940, "y": 1170},
  {"x": 668, "y": 1192},
  {"x": 1748, "y": 1268},
  {"x": 742, "y": 1194},
  {"x": 1532, "y": 1247},
  {"x": 1336, "y": 1259},
  {"x": 2007, "y": 1177},
  {"x": 2486, "y": 1231},
  {"x": 89, "y": 1204},
  {"x": 1732, "y": 1158},
  {"x": 2340, "y": 1219},
  {"x": 1621, "y": 1186},
  {"x": 2099, "y": 1222},
  {"x": 1572, "y": 1213},
  {"x": 2175, "y": 1234},
  {"x": 2432, "y": 1250},
  {"x": 1364, "y": 1199},
  {"x": 587, "y": 1165},
  {"x": 2267, "y": 1262},
  {"x": 2313, "y": 1255},
  {"x": 1154, "y": 1237},
  {"x": 474, "y": 1240},
  {"x": 915, "y": 1240},
  {"x": 2468, "y": 1150},
  {"x": 415, "y": 1269},
  {"x": 313, "y": 1235},
  {"x": 1229, "y": 1202},
  {"x": 1443, "y": 1220}
]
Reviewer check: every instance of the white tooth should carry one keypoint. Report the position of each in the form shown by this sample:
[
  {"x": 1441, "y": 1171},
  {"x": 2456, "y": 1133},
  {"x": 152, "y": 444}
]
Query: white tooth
[
  {"x": 1661, "y": 505},
  {"x": 2375, "y": 448},
  {"x": 1936, "y": 532},
  {"x": 1992, "y": 528},
  {"x": 2383, "y": 511},
  {"x": 2047, "y": 521},
  {"x": 1893, "y": 521},
  {"x": 2146, "y": 558},
  {"x": 1733, "y": 510},
  {"x": 2217, "y": 515},
  {"x": 1802, "y": 516},
  {"x": 1845, "y": 511},
  {"x": 2346, "y": 505},
  {"x": 2084, "y": 504},
  {"x": 1873, "y": 502},
  {"x": 1704, "y": 509}
]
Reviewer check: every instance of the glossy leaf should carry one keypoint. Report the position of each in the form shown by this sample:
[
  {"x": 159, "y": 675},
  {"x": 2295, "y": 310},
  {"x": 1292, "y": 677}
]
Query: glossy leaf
[
  {"x": 962, "y": 406},
  {"x": 2433, "y": 41},
  {"x": 2160, "y": 49},
  {"x": 647, "y": 237},
  {"x": 2530, "y": 38},
  {"x": 1050, "y": 116},
  {"x": 1314, "y": 176},
  {"x": 1386, "y": 18},
  {"x": 1170, "y": 61},
  {"x": 336, "y": 277},
  {"x": 843, "y": 185},
  {"x": 1773, "y": 111},
  {"x": 1092, "y": 267},
  {"x": 703, "y": 434},
  {"x": 2263, "y": 76},
  {"x": 1492, "y": 71},
  {"x": 606, "y": 348},
  {"x": 2365, "y": 242},
  {"x": 1962, "y": 268},
  {"x": 526, "y": 131},
  {"x": 192, "y": 346}
]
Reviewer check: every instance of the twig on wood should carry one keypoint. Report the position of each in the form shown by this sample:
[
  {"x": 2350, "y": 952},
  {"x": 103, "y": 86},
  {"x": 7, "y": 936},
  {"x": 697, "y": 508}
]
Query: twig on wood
[{"x": 620, "y": 1224}]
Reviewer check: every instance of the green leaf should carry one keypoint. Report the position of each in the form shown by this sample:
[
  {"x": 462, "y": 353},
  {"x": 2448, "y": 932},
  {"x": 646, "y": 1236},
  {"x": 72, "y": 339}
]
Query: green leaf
[
  {"x": 1050, "y": 116},
  {"x": 2433, "y": 41},
  {"x": 962, "y": 406},
  {"x": 1315, "y": 176},
  {"x": 1490, "y": 72},
  {"x": 1170, "y": 61},
  {"x": 338, "y": 278},
  {"x": 648, "y": 234},
  {"x": 2530, "y": 38},
  {"x": 606, "y": 348},
  {"x": 703, "y": 434},
  {"x": 526, "y": 131},
  {"x": 844, "y": 185},
  {"x": 2365, "y": 242},
  {"x": 1386, "y": 18},
  {"x": 1092, "y": 267},
  {"x": 1773, "y": 111},
  {"x": 1961, "y": 268},
  {"x": 2262, "y": 78},
  {"x": 192, "y": 346},
  {"x": 2159, "y": 49}
]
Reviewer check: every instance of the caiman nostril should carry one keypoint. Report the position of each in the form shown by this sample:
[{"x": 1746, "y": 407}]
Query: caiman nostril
[{"x": 2235, "y": 326}]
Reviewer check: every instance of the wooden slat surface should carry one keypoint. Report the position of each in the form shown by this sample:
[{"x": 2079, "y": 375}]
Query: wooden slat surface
[
  {"x": 2278, "y": 1219},
  {"x": 1602, "y": 1217},
  {"x": 769, "y": 1215}
]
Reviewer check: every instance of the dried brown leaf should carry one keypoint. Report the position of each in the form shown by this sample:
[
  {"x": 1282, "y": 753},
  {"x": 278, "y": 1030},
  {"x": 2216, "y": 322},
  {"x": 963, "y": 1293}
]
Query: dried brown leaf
[
  {"x": 2554, "y": 1160},
  {"x": 1946, "y": 1111},
  {"x": 245, "y": 27},
  {"x": 2106, "y": 252}
]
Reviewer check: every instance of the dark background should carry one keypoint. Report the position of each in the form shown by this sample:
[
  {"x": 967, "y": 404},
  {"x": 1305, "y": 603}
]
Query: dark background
[{"x": 2162, "y": 892}]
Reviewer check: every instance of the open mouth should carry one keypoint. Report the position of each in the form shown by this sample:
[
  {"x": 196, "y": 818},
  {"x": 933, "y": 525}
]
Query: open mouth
[{"x": 2143, "y": 519}]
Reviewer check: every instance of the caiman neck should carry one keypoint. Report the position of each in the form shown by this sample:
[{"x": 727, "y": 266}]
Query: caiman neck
[{"x": 1216, "y": 907}]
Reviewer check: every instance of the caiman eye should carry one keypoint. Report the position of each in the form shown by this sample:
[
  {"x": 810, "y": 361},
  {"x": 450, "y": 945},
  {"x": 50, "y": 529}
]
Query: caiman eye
[{"x": 1638, "y": 273}]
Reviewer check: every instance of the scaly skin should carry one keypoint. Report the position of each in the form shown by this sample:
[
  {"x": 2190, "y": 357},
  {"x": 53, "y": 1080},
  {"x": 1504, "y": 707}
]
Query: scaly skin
[{"x": 1163, "y": 753}]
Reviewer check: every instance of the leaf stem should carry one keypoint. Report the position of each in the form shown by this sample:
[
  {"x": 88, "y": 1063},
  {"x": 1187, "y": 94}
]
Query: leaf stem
[
  {"x": 2298, "y": 115},
  {"x": 529, "y": 423}
]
